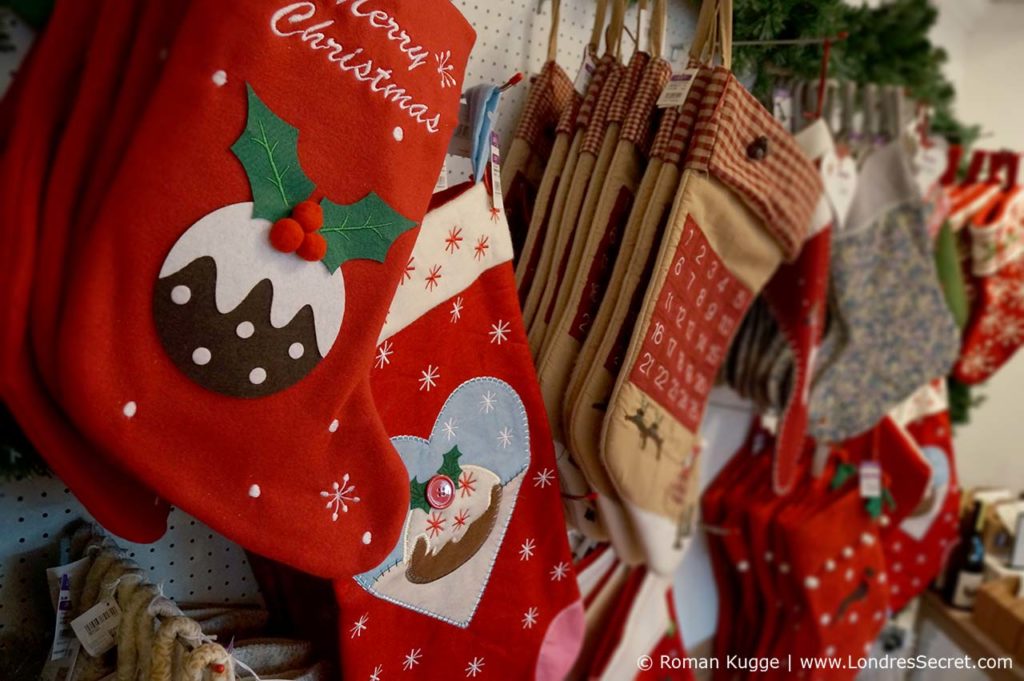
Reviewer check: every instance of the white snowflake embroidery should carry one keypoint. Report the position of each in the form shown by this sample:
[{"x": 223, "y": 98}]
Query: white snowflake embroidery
[
  {"x": 338, "y": 495},
  {"x": 543, "y": 478},
  {"x": 412, "y": 659},
  {"x": 990, "y": 323},
  {"x": 529, "y": 618},
  {"x": 450, "y": 429},
  {"x": 1012, "y": 332},
  {"x": 384, "y": 353},
  {"x": 499, "y": 332},
  {"x": 487, "y": 402},
  {"x": 444, "y": 69},
  {"x": 977, "y": 361},
  {"x": 359, "y": 626},
  {"x": 453, "y": 241},
  {"x": 456, "y": 311},
  {"x": 474, "y": 667},
  {"x": 428, "y": 378},
  {"x": 526, "y": 550},
  {"x": 375, "y": 676},
  {"x": 559, "y": 572},
  {"x": 505, "y": 437}
]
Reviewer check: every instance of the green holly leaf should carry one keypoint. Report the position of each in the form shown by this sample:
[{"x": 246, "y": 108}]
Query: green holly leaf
[
  {"x": 418, "y": 495},
  {"x": 450, "y": 465},
  {"x": 269, "y": 152},
  {"x": 874, "y": 507},
  {"x": 844, "y": 472},
  {"x": 364, "y": 229}
]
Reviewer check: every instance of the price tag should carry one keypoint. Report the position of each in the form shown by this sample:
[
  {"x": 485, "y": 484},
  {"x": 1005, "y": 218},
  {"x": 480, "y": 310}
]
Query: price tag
[
  {"x": 782, "y": 107},
  {"x": 587, "y": 69},
  {"x": 498, "y": 201},
  {"x": 870, "y": 480},
  {"x": 442, "y": 178},
  {"x": 96, "y": 628},
  {"x": 461, "y": 143},
  {"x": 677, "y": 88},
  {"x": 840, "y": 178}
]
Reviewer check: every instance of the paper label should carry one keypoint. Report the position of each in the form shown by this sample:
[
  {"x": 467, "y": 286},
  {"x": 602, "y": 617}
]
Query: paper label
[
  {"x": 839, "y": 176},
  {"x": 76, "y": 571},
  {"x": 587, "y": 69},
  {"x": 62, "y": 669},
  {"x": 498, "y": 201},
  {"x": 676, "y": 89},
  {"x": 442, "y": 178},
  {"x": 782, "y": 107},
  {"x": 96, "y": 628},
  {"x": 461, "y": 143},
  {"x": 870, "y": 480}
]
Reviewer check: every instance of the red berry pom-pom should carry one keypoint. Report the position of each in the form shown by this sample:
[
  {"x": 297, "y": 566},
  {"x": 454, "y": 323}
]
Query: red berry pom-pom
[
  {"x": 286, "y": 235},
  {"x": 313, "y": 248},
  {"x": 309, "y": 215}
]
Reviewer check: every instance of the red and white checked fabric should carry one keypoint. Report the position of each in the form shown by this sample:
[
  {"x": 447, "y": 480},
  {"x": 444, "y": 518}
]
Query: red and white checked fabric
[
  {"x": 550, "y": 95},
  {"x": 688, "y": 114},
  {"x": 781, "y": 186},
  {"x": 602, "y": 71},
  {"x": 660, "y": 145},
  {"x": 627, "y": 89},
  {"x": 567, "y": 120},
  {"x": 598, "y": 123},
  {"x": 637, "y": 126}
]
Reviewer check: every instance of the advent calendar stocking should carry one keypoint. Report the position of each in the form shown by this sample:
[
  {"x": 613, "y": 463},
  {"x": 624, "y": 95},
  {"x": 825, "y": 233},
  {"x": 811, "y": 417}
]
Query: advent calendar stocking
[
  {"x": 743, "y": 205},
  {"x": 890, "y": 316},
  {"x": 49, "y": 85},
  {"x": 996, "y": 328},
  {"x": 551, "y": 94},
  {"x": 269, "y": 240},
  {"x": 480, "y": 580}
]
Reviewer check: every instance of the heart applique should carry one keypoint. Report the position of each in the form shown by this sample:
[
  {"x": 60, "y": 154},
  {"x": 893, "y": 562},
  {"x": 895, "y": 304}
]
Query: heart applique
[{"x": 464, "y": 481}]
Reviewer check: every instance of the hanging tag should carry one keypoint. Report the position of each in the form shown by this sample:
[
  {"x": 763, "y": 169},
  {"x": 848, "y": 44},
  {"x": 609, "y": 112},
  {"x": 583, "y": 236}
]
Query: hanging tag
[
  {"x": 870, "y": 480},
  {"x": 821, "y": 454},
  {"x": 442, "y": 178},
  {"x": 497, "y": 202},
  {"x": 782, "y": 106},
  {"x": 676, "y": 89},
  {"x": 96, "y": 628},
  {"x": 587, "y": 69},
  {"x": 461, "y": 143},
  {"x": 839, "y": 176}
]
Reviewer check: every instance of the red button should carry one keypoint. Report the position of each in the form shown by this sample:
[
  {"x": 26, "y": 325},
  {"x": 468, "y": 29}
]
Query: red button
[{"x": 440, "y": 492}]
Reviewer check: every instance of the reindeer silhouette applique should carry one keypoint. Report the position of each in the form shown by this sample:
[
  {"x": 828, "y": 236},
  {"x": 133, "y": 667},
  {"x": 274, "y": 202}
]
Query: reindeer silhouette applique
[{"x": 648, "y": 431}]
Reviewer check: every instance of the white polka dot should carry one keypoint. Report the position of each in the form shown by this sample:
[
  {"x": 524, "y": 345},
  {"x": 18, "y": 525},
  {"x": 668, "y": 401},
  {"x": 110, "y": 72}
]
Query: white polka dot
[
  {"x": 895, "y": 589},
  {"x": 245, "y": 330},
  {"x": 898, "y": 567},
  {"x": 812, "y": 582},
  {"x": 897, "y": 546},
  {"x": 398, "y": 133},
  {"x": 853, "y": 618},
  {"x": 867, "y": 539},
  {"x": 825, "y": 620},
  {"x": 743, "y": 566},
  {"x": 877, "y": 616},
  {"x": 201, "y": 356},
  {"x": 255, "y": 491},
  {"x": 830, "y": 651},
  {"x": 129, "y": 409},
  {"x": 916, "y": 583},
  {"x": 884, "y": 521},
  {"x": 784, "y": 568},
  {"x": 830, "y": 565},
  {"x": 922, "y": 559},
  {"x": 334, "y": 426},
  {"x": 847, "y": 552},
  {"x": 850, "y": 574},
  {"x": 220, "y": 78},
  {"x": 295, "y": 350},
  {"x": 257, "y": 375},
  {"x": 181, "y": 294},
  {"x": 882, "y": 578},
  {"x": 367, "y": 537},
  {"x": 769, "y": 556},
  {"x": 867, "y": 648}
]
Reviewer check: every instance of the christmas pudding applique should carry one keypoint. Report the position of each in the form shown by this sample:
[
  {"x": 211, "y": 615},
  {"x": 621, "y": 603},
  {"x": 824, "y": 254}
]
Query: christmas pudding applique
[
  {"x": 464, "y": 481},
  {"x": 251, "y": 297}
]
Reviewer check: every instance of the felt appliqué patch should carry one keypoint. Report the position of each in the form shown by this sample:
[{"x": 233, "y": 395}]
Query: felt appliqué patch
[
  {"x": 237, "y": 310},
  {"x": 480, "y": 443}
]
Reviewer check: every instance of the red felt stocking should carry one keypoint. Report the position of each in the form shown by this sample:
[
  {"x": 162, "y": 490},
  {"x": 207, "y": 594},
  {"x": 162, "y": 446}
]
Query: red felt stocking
[
  {"x": 233, "y": 287},
  {"x": 480, "y": 581}
]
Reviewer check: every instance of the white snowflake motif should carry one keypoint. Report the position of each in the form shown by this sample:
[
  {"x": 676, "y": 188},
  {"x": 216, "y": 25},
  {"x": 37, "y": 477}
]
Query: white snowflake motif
[
  {"x": 990, "y": 323},
  {"x": 504, "y": 437},
  {"x": 529, "y": 618},
  {"x": 526, "y": 550},
  {"x": 450, "y": 429},
  {"x": 453, "y": 241},
  {"x": 977, "y": 361},
  {"x": 543, "y": 478},
  {"x": 1000, "y": 288},
  {"x": 375, "y": 676},
  {"x": 474, "y": 667},
  {"x": 499, "y": 332},
  {"x": 444, "y": 69},
  {"x": 487, "y": 403},
  {"x": 359, "y": 626},
  {"x": 456, "y": 311},
  {"x": 338, "y": 495},
  {"x": 428, "y": 378},
  {"x": 559, "y": 572},
  {"x": 384, "y": 353},
  {"x": 412, "y": 659},
  {"x": 1012, "y": 332}
]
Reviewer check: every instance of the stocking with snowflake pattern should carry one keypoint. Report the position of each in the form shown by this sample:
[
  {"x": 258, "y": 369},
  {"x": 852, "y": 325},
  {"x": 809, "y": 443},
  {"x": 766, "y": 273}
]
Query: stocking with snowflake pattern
[
  {"x": 996, "y": 327},
  {"x": 239, "y": 322},
  {"x": 478, "y": 567}
]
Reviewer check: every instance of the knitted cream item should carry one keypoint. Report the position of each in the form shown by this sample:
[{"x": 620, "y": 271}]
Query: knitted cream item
[
  {"x": 148, "y": 620},
  {"x": 273, "y": 655},
  {"x": 166, "y": 643},
  {"x": 131, "y": 592},
  {"x": 208, "y": 662}
]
